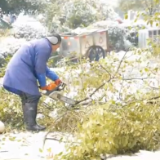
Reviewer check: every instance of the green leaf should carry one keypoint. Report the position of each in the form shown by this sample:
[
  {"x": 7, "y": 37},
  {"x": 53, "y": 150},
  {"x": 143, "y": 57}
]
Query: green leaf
[
  {"x": 40, "y": 150},
  {"x": 49, "y": 150},
  {"x": 126, "y": 16}
]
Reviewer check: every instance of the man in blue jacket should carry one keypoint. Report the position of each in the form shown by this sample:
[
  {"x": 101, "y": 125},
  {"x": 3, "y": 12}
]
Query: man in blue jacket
[{"x": 26, "y": 68}]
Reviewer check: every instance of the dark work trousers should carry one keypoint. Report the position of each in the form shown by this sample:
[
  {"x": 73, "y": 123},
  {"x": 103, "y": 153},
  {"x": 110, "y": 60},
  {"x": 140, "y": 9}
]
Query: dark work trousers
[{"x": 27, "y": 98}]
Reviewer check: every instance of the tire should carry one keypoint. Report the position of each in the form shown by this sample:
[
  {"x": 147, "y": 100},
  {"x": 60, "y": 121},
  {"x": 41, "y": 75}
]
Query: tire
[{"x": 94, "y": 53}]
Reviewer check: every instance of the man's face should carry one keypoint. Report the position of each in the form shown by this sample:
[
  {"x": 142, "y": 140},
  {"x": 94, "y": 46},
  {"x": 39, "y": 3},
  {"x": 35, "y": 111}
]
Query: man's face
[{"x": 55, "y": 47}]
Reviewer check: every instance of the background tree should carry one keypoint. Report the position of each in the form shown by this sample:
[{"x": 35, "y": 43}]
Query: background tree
[
  {"x": 79, "y": 13},
  {"x": 74, "y": 13},
  {"x": 149, "y": 6},
  {"x": 23, "y": 5}
]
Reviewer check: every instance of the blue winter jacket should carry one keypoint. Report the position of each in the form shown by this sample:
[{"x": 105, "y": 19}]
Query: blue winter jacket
[{"x": 29, "y": 66}]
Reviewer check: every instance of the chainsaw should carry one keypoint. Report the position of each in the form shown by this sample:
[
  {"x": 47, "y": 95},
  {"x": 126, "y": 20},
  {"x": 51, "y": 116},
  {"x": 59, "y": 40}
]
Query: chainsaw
[{"x": 56, "y": 95}]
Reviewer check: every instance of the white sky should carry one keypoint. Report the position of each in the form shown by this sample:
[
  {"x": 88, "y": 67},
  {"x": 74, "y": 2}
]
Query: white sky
[{"x": 111, "y": 2}]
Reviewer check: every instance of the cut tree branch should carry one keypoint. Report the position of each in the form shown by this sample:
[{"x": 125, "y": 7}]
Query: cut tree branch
[
  {"x": 119, "y": 65},
  {"x": 157, "y": 97},
  {"x": 137, "y": 78},
  {"x": 155, "y": 88},
  {"x": 105, "y": 70},
  {"x": 141, "y": 100},
  {"x": 102, "y": 85},
  {"x": 97, "y": 89}
]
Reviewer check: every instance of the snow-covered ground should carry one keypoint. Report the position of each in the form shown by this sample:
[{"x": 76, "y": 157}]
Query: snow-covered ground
[
  {"x": 26, "y": 145},
  {"x": 29, "y": 146},
  {"x": 142, "y": 155}
]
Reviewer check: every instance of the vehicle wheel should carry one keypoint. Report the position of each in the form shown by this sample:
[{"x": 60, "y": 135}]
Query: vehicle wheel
[{"x": 94, "y": 53}]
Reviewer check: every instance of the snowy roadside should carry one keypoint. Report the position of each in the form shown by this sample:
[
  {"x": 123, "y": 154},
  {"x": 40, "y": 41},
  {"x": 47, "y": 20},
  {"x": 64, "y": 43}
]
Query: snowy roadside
[
  {"x": 142, "y": 155},
  {"x": 29, "y": 146}
]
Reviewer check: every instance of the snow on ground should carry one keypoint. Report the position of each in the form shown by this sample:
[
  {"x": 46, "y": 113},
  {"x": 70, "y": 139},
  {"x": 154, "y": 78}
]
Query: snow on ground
[
  {"x": 27, "y": 145},
  {"x": 142, "y": 155}
]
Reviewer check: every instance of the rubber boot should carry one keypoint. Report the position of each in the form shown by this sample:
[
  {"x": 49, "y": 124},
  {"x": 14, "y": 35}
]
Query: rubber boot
[{"x": 30, "y": 113}]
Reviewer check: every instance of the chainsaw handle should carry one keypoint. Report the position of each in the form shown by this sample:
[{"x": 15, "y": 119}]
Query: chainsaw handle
[{"x": 58, "y": 88}]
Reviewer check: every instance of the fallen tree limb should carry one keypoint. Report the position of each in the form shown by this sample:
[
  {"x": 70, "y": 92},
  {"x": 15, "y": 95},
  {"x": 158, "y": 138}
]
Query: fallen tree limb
[{"x": 103, "y": 84}]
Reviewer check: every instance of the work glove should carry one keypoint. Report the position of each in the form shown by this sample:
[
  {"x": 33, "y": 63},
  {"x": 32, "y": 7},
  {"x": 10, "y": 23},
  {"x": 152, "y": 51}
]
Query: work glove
[
  {"x": 50, "y": 87},
  {"x": 60, "y": 85},
  {"x": 58, "y": 82}
]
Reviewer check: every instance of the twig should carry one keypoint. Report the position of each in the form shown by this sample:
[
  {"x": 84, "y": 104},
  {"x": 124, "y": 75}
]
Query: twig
[
  {"x": 103, "y": 83},
  {"x": 50, "y": 131},
  {"x": 136, "y": 101},
  {"x": 45, "y": 137},
  {"x": 91, "y": 93},
  {"x": 48, "y": 106},
  {"x": 86, "y": 103},
  {"x": 137, "y": 78},
  {"x": 119, "y": 65},
  {"x": 105, "y": 70},
  {"x": 156, "y": 88},
  {"x": 3, "y": 151},
  {"x": 157, "y": 97},
  {"x": 55, "y": 139},
  {"x": 119, "y": 95}
]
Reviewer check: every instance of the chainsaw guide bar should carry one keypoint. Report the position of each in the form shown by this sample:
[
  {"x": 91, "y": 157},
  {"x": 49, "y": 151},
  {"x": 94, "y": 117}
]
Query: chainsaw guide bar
[{"x": 57, "y": 96}]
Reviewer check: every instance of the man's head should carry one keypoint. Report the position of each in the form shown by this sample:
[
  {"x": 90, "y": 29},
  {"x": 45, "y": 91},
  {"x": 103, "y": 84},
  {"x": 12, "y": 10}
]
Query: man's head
[{"x": 55, "y": 40}]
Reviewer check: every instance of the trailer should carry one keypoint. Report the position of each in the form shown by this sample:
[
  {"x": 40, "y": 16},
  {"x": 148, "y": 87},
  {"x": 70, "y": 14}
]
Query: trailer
[{"x": 92, "y": 44}]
